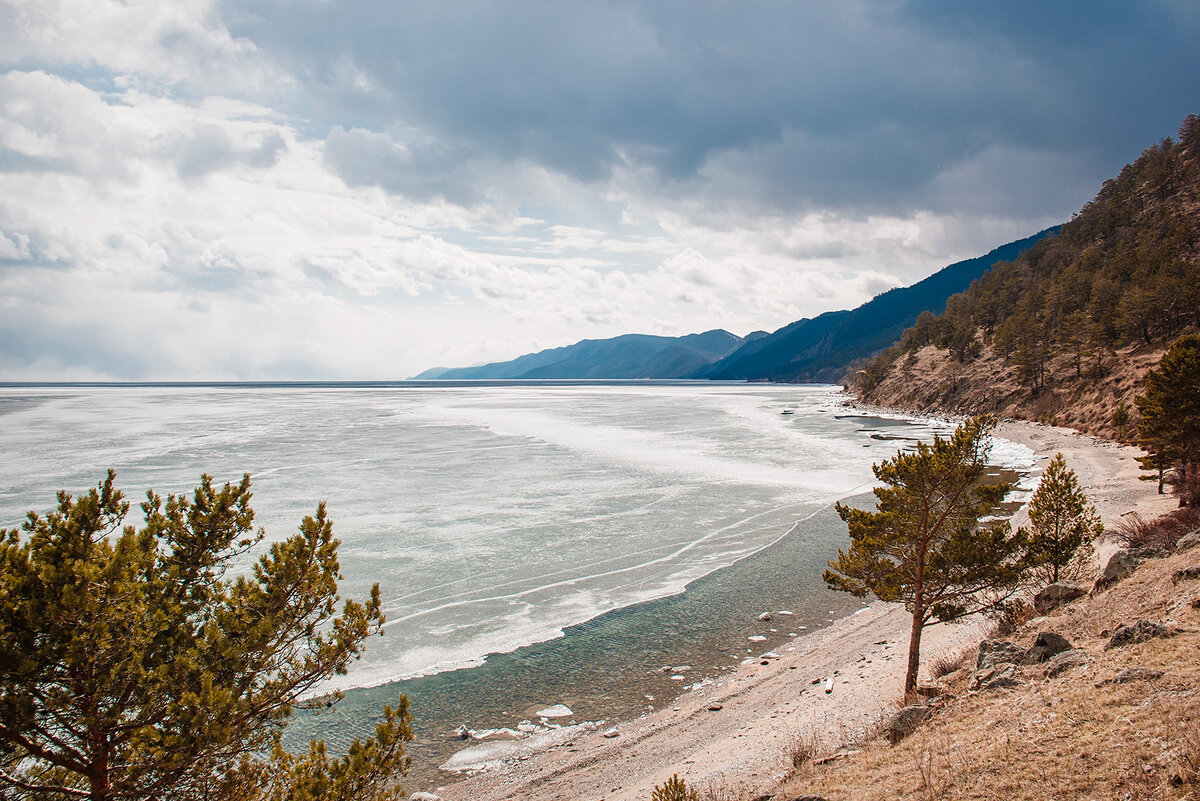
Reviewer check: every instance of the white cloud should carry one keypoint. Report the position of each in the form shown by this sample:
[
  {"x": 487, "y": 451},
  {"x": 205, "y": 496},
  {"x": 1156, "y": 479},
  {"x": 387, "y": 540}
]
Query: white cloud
[
  {"x": 142, "y": 43},
  {"x": 211, "y": 188}
]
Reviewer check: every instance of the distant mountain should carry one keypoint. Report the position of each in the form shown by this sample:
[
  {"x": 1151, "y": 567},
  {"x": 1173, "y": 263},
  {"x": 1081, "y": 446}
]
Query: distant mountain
[
  {"x": 432, "y": 374},
  {"x": 627, "y": 356},
  {"x": 822, "y": 348}
]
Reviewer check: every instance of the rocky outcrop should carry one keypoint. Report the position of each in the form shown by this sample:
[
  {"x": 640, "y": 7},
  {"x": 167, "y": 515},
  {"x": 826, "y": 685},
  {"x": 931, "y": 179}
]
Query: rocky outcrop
[
  {"x": 906, "y": 721},
  {"x": 1140, "y": 631},
  {"x": 1002, "y": 674},
  {"x": 1047, "y": 645},
  {"x": 1061, "y": 663},
  {"x": 1188, "y": 541},
  {"x": 1056, "y": 595},
  {"x": 1187, "y": 574},
  {"x": 995, "y": 652},
  {"x": 1133, "y": 674},
  {"x": 1120, "y": 567}
]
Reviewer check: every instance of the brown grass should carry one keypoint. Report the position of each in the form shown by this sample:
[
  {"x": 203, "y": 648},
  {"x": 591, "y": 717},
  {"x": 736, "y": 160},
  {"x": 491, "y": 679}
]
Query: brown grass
[
  {"x": 802, "y": 748},
  {"x": 1057, "y": 738},
  {"x": 945, "y": 664},
  {"x": 1134, "y": 531}
]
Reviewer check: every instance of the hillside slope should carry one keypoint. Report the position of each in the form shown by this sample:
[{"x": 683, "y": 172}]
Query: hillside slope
[
  {"x": 1122, "y": 724},
  {"x": 821, "y": 348},
  {"x": 1067, "y": 331}
]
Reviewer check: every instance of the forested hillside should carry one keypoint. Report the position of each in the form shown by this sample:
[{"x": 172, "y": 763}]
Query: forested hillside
[
  {"x": 1066, "y": 331},
  {"x": 821, "y": 348}
]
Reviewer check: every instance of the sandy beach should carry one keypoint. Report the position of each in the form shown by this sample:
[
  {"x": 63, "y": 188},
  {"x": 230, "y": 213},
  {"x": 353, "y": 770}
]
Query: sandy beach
[{"x": 736, "y": 732}]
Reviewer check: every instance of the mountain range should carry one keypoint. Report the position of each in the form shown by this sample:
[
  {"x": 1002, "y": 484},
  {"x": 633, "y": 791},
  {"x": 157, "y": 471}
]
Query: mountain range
[
  {"x": 624, "y": 357},
  {"x": 818, "y": 349}
]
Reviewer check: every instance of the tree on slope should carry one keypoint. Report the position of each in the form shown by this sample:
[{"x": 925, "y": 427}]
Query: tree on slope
[
  {"x": 924, "y": 545},
  {"x": 132, "y": 666},
  {"x": 1062, "y": 525},
  {"x": 1169, "y": 428}
]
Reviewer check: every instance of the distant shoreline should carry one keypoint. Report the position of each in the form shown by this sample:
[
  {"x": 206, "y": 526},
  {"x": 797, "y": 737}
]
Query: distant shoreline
[{"x": 384, "y": 383}]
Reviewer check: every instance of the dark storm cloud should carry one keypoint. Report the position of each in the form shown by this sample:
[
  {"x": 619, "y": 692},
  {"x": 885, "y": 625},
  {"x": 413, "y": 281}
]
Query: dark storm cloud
[{"x": 843, "y": 105}]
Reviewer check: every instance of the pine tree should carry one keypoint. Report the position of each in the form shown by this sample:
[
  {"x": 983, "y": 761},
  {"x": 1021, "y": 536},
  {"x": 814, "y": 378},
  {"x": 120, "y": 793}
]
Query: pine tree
[
  {"x": 133, "y": 667},
  {"x": 674, "y": 789},
  {"x": 1169, "y": 428},
  {"x": 1062, "y": 525},
  {"x": 924, "y": 545}
]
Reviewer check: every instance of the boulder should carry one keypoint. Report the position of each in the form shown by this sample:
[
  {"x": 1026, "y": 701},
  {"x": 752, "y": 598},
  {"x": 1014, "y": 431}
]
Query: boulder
[
  {"x": 992, "y": 652},
  {"x": 424, "y": 797},
  {"x": 1188, "y": 541},
  {"x": 1057, "y": 594},
  {"x": 1140, "y": 632},
  {"x": 764, "y": 617},
  {"x": 1062, "y": 662},
  {"x": 1003, "y": 674},
  {"x": 1120, "y": 567},
  {"x": 1047, "y": 644},
  {"x": 1150, "y": 552},
  {"x": 1187, "y": 573},
  {"x": 1133, "y": 674},
  {"x": 905, "y": 722}
]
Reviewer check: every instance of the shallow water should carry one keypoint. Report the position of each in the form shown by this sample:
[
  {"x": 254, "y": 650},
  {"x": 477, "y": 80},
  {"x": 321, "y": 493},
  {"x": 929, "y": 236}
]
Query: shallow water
[{"x": 553, "y": 526}]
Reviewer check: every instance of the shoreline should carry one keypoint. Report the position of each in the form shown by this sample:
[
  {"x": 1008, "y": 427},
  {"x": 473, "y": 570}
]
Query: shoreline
[{"x": 735, "y": 732}]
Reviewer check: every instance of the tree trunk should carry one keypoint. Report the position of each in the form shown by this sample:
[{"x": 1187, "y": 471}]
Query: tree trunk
[
  {"x": 98, "y": 784},
  {"x": 914, "y": 652}
]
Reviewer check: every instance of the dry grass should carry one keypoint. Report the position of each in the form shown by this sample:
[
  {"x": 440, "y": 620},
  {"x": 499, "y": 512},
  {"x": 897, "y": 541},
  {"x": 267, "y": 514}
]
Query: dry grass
[
  {"x": 1163, "y": 531},
  {"x": 720, "y": 788},
  {"x": 945, "y": 664},
  {"x": 802, "y": 748},
  {"x": 1063, "y": 737}
]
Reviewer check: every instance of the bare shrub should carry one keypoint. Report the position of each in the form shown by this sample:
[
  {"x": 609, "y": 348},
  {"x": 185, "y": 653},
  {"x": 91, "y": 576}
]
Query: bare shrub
[
  {"x": 1134, "y": 531},
  {"x": 945, "y": 664},
  {"x": 931, "y": 767},
  {"x": 801, "y": 749},
  {"x": 1010, "y": 615},
  {"x": 720, "y": 788}
]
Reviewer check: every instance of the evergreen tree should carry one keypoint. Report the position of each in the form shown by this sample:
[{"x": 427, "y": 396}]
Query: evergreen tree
[
  {"x": 1169, "y": 428},
  {"x": 674, "y": 789},
  {"x": 924, "y": 546},
  {"x": 1062, "y": 525},
  {"x": 1121, "y": 419},
  {"x": 132, "y": 667}
]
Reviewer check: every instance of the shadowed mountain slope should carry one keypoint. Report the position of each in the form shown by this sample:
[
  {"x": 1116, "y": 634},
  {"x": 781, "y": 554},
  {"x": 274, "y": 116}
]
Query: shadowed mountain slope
[
  {"x": 822, "y": 348},
  {"x": 624, "y": 357}
]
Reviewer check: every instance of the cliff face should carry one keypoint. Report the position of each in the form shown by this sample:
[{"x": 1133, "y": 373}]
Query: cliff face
[
  {"x": 932, "y": 383},
  {"x": 1067, "y": 331}
]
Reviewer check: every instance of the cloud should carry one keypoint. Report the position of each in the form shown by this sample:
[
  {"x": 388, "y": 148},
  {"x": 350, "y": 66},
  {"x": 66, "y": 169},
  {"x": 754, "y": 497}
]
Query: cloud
[{"x": 297, "y": 188}]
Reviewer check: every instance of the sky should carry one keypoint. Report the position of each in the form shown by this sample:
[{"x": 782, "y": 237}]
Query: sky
[{"x": 363, "y": 189}]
